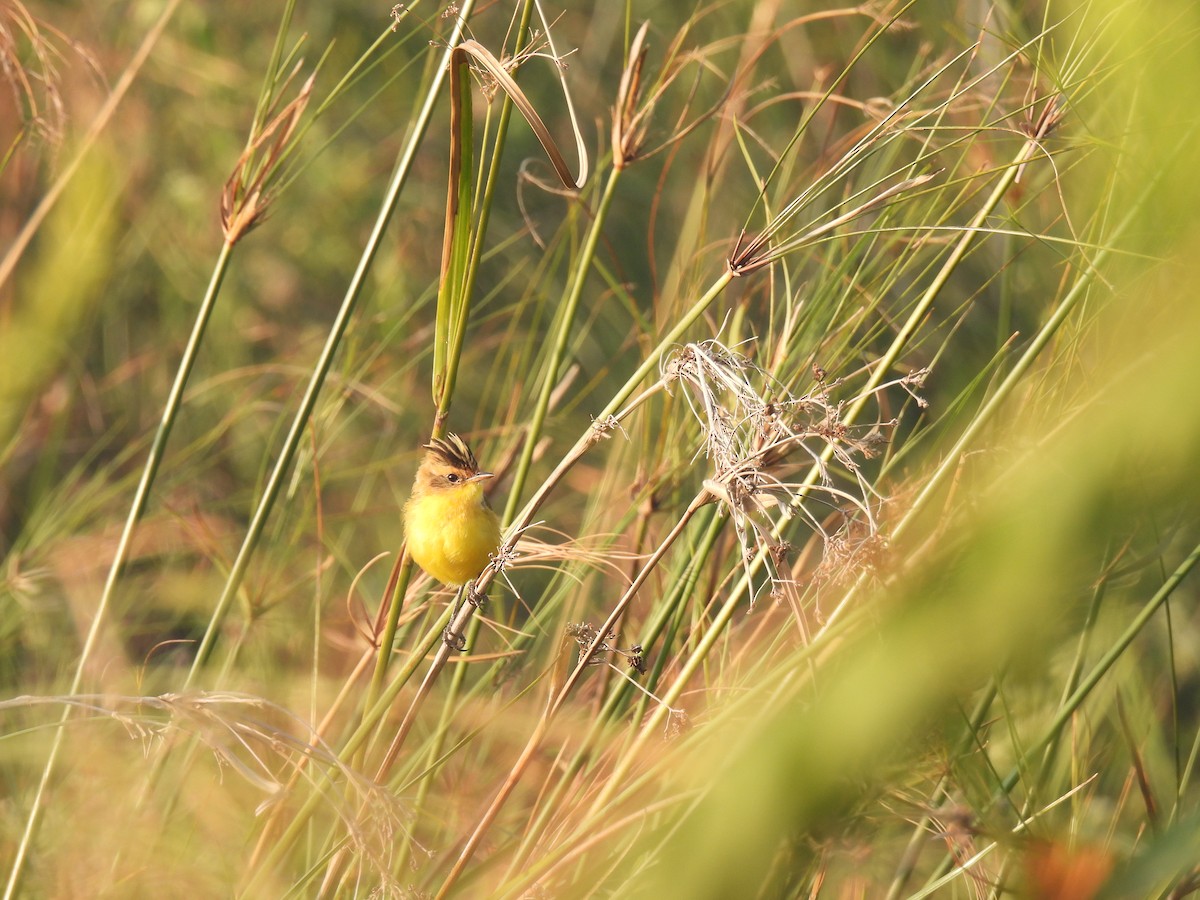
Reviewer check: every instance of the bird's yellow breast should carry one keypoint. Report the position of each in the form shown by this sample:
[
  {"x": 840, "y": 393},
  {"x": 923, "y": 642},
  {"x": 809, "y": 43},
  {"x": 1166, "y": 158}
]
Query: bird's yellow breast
[{"x": 451, "y": 532}]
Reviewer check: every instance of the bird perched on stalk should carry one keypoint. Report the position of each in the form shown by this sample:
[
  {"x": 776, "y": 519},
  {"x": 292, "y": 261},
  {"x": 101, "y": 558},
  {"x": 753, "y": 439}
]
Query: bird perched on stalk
[{"x": 450, "y": 529}]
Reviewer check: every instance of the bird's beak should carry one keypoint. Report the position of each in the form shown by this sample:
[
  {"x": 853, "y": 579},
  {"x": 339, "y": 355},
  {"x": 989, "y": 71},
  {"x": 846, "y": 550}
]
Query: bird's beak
[{"x": 480, "y": 476}]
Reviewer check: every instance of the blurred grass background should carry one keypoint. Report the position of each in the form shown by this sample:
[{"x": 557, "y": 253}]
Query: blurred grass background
[{"x": 972, "y": 671}]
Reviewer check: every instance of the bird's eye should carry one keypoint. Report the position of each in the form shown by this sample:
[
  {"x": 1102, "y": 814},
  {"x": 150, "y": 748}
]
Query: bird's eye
[{"x": 453, "y": 478}]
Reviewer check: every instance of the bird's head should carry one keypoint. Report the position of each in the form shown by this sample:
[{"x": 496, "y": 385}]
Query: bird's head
[{"x": 448, "y": 465}]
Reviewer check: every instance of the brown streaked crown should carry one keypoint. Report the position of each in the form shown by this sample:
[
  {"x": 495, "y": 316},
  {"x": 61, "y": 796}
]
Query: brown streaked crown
[{"x": 454, "y": 452}]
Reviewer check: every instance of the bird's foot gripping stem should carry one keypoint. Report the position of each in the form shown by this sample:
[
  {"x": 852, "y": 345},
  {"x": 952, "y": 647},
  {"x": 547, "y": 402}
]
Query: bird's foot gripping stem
[{"x": 476, "y": 598}]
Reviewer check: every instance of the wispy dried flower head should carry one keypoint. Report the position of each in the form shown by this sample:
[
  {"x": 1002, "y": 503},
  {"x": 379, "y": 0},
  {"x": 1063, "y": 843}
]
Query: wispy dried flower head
[
  {"x": 30, "y": 57},
  {"x": 757, "y": 435},
  {"x": 249, "y": 190},
  {"x": 261, "y": 742}
]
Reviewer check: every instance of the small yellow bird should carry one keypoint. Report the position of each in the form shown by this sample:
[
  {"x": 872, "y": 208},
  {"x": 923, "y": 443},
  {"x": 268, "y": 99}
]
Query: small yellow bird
[{"x": 450, "y": 528}]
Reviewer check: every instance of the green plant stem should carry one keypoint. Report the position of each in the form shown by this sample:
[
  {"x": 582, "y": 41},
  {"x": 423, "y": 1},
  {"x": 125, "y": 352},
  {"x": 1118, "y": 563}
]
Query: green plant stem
[
  {"x": 900, "y": 342},
  {"x": 140, "y": 499},
  {"x": 562, "y": 338},
  {"x": 325, "y": 361},
  {"x": 649, "y": 364},
  {"x": 397, "y": 589},
  {"x": 668, "y": 614},
  {"x": 454, "y": 299},
  {"x": 1002, "y": 393},
  {"x": 1106, "y": 662},
  {"x": 920, "y": 835},
  {"x": 632, "y": 753},
  {"x": 485, "y": 207},
  {"x": 433, "y": 754}
]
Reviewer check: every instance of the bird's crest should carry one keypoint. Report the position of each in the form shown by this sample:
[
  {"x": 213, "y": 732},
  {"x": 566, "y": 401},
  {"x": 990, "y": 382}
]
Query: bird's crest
[{"x": 454, "y": 452}]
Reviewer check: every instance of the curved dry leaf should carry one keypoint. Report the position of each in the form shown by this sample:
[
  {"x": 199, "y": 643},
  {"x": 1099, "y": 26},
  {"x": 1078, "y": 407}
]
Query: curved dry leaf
[{"x": 484, "y": 57}]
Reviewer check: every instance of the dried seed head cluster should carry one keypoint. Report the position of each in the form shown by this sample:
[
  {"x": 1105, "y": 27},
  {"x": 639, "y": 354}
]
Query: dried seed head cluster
[
  {"x": 775, "y": 456},
  {"x": 585, "y": 634},
  {"x": 638, "y": 96}
]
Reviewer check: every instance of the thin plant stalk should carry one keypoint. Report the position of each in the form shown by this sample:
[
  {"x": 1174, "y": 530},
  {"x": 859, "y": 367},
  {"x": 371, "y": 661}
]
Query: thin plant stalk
[
  {"x": 1003, "y": 392},
  {"x": 920, "y": 836},
  {"x": 1086, "y": 685},
  {"x": 325, "y": 361},
  {"x": 561, "y": 339},
  {"x": 606, "y": 417},
  {"x": 716, "y": 628},
  {"x": 140, "y": 499},
  {"x": 1009, "y": 384},
  {"x": 397, "y": 588},
  {"x": 485, "y": 207},
  {"x": 900, "y": 342}
]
